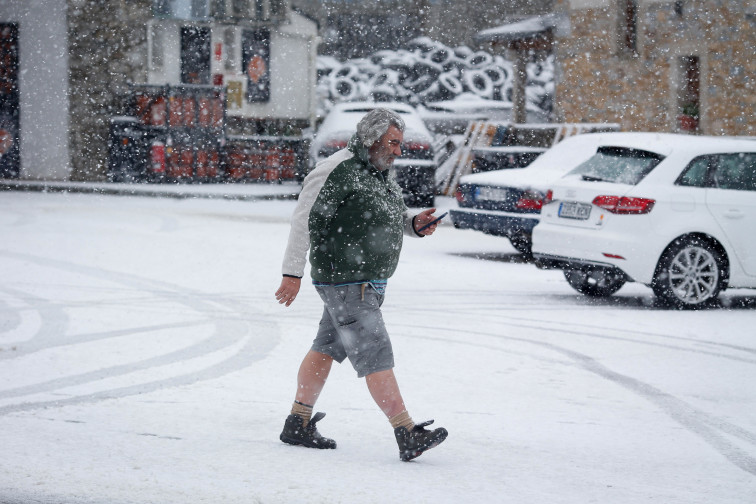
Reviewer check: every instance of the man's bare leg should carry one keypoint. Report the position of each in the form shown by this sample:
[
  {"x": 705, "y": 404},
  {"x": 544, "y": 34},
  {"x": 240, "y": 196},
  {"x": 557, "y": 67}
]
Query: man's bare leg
[
  {"x": 385, "y": 391},
  {"x": 313, "y": 373}
]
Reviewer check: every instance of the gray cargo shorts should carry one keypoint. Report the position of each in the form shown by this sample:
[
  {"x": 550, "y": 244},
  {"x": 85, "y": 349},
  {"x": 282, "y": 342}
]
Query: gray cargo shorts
[{"x": 352, "y": 326}]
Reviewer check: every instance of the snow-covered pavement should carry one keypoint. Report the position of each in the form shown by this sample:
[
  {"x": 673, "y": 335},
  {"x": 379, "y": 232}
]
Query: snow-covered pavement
[{"x": 143, "y": 359}]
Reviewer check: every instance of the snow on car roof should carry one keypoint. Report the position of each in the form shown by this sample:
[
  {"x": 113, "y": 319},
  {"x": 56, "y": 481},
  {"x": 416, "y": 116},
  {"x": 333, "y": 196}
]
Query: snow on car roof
[
  {"x": 573, "y": 150},
  {"x": 472, "y": 103},
  {"x": 368, "y": 106},
  {"x": 345, "y": 116},
  {"x": 557, "y": 160}
]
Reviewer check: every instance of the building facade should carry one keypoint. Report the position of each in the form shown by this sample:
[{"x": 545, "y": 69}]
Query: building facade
[
  {"x": 658, "y": 65},
  {"x": 75, "y": 61}
]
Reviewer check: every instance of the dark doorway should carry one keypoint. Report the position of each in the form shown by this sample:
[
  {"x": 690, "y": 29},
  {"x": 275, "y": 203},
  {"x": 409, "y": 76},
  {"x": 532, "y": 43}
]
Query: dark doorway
[
  {"x": 9, "y": 101},
  {"x": 195, "y": 55},
  {"x": 689, "y": 93}
]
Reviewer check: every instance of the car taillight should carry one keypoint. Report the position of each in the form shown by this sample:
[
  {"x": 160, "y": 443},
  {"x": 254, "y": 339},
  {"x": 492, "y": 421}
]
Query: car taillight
[
  {"x": 549, "y": 197},
  {"x": 459, "y": 195},
  {"x": 416, "y": 150},
  {"x": 336, "y": 144},
  {"x": 415, "y": 146},
  {"x": 624, "y": 205},
  {"x": 530, "y": 200}
]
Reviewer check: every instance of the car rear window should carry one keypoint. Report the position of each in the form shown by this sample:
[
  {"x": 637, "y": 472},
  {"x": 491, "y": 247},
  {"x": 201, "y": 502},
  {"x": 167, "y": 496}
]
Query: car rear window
[{"x": 618, "y": 164}]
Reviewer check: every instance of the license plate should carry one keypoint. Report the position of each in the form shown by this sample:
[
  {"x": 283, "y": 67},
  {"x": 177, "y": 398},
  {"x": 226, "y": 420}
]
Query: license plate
[
  {"x": 492, "y": 194},
  {"x": 571, "y": 210}
]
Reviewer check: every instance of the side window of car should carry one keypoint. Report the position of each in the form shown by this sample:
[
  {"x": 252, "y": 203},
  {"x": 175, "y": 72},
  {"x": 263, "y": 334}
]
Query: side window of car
[
  {"x": 696, "y": 173},
  {"x": 736, "y": 171}
]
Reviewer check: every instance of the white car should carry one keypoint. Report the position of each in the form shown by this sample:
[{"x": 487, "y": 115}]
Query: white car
[
  {"x": 674, "y": 212},
  {"x": 508, "y": 202},
  {"x": 415, "y": 170}
]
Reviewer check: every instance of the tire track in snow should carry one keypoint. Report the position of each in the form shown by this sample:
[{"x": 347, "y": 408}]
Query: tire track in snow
[
  {"x": 53, "y": 321},
  {"x": 708, "y": 427},
  {"x": 600, "y": 333},
  {"x": 233, "y": 326}
]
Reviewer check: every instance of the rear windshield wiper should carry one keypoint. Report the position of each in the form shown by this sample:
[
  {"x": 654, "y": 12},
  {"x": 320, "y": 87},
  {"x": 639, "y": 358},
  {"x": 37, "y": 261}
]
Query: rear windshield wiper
[{"x": 592, "y": 178}]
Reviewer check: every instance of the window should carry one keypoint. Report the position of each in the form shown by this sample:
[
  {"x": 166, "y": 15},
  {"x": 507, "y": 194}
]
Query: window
[
  {"x": 229, "y": 40},
  {"x": 689, "y": 92},
  {"x": 156, "y": 50},
  {"x": 277, "y": 8},
  {"x": 240, "y": 8},
  {"x": 619, "y": 165},
  {"x": 679, "y": 8},
  {"x": 736, "y": 171},
  {"x": 218, "y": 9},
  {"x": 627, "y": 29},
  {"x": 195, "y": 55},
  {"x": 696, "y": 173}
]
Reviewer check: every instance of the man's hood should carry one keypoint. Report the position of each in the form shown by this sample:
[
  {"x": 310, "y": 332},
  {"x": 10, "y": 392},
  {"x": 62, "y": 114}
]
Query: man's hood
[{"x": 360, "y": 151}]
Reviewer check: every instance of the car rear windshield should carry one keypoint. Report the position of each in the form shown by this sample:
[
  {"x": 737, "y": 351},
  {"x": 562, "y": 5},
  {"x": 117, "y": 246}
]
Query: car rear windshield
[{"x": 619, "y": 165}]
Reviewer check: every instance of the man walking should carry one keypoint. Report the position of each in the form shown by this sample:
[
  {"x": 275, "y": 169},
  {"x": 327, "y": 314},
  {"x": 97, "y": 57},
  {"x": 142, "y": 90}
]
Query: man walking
[{"x": 352, "y": 217}]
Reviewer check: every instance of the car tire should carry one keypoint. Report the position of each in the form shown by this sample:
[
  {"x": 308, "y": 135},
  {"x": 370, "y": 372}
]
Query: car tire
[
  {"x": 522, "y": 242},
  {"x": 595, "y": 282},
  {"x": 689, "y": 274}
]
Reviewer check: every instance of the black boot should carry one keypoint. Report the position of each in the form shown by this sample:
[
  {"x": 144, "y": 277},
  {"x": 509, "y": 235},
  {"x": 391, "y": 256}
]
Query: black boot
[
  {"x": 294, "y": 433},
  {"x": 412, "y": 443}
]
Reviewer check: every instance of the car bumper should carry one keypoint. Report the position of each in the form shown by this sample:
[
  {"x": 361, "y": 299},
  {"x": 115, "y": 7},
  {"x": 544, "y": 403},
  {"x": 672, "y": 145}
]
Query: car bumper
[
  {"x": 573, "y": 248},
  {"x": 493, "y": 222}
]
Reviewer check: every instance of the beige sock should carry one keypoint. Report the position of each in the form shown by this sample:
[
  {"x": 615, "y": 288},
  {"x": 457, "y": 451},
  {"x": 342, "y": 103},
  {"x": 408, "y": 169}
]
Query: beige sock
[
  {"x": 403, "y": 419},
  {"x": 303, "y": 410}
]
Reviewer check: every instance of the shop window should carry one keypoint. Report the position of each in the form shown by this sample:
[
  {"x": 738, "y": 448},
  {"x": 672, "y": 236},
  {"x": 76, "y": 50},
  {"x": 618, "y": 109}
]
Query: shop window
[
  {"x": 627, "y": 27},
  {"x": 195, "y": 55}
]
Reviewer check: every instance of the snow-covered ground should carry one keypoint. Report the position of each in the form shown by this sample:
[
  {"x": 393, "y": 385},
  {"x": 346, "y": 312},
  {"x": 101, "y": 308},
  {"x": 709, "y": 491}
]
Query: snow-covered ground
[{"x": 143, "y": 359}]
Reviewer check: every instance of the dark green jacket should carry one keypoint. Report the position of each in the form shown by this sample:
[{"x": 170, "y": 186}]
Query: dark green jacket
[{"x": 357, "y": 222}]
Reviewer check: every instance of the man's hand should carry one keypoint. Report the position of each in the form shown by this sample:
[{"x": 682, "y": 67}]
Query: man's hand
[
  {"x": 422, "y": 219},
  {"x": 287, "y": 292}
]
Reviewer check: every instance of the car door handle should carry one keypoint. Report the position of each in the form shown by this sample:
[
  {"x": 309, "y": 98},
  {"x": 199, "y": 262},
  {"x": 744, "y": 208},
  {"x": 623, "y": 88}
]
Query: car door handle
[{"x": 734, "y": 214}]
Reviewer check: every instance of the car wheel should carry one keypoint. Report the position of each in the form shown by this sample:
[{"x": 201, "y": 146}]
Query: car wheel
[
  {"x": 689, "y": 274},
  {"x": 522, "y": 242},
  {"x": 597, "y": 282}
]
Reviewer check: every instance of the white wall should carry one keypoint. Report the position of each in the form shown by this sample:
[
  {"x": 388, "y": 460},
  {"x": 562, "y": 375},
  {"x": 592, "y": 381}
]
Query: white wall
[
  {"x": 293, "y": 54},
  {"x": 43, "y": 86}
]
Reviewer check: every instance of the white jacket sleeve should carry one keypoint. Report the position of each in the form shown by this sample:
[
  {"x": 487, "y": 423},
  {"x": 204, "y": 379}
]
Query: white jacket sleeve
[
  {"x": 295, "y": 257},
  {"x": 409, "y": 224}
]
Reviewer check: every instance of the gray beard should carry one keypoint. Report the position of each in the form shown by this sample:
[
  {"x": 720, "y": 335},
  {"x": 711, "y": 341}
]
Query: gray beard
[{"x": 383, "y": 164}]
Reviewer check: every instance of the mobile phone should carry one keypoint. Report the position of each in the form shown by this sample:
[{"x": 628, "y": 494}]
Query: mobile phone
[{"x": 433, "y": 222}]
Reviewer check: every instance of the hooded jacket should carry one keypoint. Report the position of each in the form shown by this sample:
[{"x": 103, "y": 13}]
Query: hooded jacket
[{"x": 352, "y": 217}]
